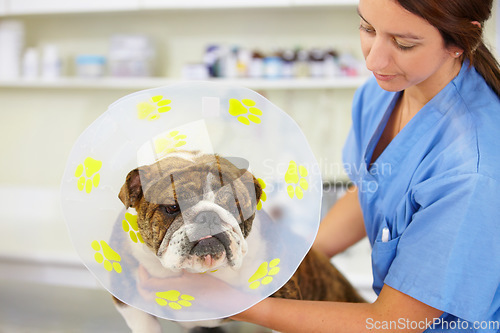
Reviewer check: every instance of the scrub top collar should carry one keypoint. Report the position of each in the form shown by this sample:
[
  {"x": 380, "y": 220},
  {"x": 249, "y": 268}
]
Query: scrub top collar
[{"x": 411, "y": 133}]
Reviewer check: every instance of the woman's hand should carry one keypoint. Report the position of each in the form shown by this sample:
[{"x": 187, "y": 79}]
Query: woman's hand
[{"x": 391, "y": 308}]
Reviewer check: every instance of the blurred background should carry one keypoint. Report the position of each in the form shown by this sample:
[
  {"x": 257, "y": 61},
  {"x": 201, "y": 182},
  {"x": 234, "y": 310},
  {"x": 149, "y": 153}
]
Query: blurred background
[{"x": 62, "y": 62}]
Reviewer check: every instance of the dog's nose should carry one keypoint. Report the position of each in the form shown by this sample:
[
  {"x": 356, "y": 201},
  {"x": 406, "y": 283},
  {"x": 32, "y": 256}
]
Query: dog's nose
[
  {"x": 207, "y": 218},
  {"x": 207, "y": 223}
]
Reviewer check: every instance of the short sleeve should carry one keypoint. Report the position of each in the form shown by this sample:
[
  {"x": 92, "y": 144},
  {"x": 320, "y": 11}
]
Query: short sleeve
[
  {"x": 351, "y": 152},
  {"x": 350, "y": 157},
  {"x": 448, "y": 257}
]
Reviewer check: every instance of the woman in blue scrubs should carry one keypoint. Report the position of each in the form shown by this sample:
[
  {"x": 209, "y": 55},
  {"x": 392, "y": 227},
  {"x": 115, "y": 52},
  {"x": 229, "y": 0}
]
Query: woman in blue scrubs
[{"x": 424, "y": 156}]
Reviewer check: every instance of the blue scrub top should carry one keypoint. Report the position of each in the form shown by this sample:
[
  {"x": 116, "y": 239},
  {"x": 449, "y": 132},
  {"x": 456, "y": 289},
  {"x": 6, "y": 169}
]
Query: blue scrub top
[{"x": 436, "y": 189}]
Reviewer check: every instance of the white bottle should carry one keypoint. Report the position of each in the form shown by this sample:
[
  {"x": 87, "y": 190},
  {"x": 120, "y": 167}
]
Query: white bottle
[
  {"x": 30, "y": 64},
  {"x": 230, "y": 64},
  {"x": 51, "y": 62},
  {"x": 11, "y": 46}
]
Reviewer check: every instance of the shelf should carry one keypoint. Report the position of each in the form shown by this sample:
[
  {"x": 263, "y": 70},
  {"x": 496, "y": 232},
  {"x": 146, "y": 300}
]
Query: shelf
[
  {"x": 145, "y": 83},
  {"x": 33, "y": 7}
]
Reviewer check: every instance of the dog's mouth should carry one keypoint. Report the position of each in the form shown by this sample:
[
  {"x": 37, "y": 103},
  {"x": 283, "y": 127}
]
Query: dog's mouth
[
  {"x": 207, "y": 242},
  {"x": 210, "y": 249}
]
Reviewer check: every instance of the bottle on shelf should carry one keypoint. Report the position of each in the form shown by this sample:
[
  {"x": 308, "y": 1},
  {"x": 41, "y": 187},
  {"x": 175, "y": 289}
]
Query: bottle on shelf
[
  {"x": 30, "y": 64},
  {"x": 11, "y": 48},
  {"x": 51, "y": 62}
]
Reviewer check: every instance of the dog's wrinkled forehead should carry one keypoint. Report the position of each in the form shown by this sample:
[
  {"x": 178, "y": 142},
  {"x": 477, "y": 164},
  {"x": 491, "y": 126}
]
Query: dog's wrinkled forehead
[{"x": 189, "y": 179}]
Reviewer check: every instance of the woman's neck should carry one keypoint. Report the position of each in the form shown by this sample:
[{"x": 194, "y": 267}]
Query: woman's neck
[{"x": 420, "y": 94}]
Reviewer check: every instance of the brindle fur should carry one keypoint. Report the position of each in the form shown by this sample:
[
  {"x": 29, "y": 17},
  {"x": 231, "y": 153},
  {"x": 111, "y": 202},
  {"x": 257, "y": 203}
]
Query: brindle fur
[
  {"x": 149, "y": 188},
  {"x": 317, "y": 279}
]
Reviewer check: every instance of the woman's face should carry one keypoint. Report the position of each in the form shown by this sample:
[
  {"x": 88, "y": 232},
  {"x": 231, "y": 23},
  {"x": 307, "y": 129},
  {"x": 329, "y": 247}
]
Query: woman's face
[{"x": 404, "y": 50}]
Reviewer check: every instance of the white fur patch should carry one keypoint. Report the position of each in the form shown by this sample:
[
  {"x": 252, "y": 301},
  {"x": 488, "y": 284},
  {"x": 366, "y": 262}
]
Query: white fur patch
[
  {"x": 173, "y": 254},
  {"x": 139, "y": 321},
  {"x": 208, "y": 193}
]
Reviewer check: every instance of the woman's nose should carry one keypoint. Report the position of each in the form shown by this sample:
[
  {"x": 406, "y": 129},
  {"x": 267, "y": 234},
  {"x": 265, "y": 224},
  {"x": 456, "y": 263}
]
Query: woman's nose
[{"x": 378, "y": 57}]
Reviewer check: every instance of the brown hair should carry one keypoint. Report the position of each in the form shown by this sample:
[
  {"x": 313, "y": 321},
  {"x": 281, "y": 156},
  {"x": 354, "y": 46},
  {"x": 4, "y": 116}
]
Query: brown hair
[{"x": 454, "y": 20}]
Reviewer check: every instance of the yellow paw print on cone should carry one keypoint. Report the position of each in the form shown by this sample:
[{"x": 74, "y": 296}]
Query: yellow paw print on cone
[
  {"x": 174, "y": 299},
  {"x": 263, "y": 197},
  {"x": 245, "y": 110},
  {"x": 87, "y": 174},
  {"x": 169, "y": 143},
  {"x": 295, "y": 177},
  {"x": 152, "y": 109},
  {"x": 129, "y": 225},
  {"x": 111, "y": 259},
  {"x": 264, "y": 274}
]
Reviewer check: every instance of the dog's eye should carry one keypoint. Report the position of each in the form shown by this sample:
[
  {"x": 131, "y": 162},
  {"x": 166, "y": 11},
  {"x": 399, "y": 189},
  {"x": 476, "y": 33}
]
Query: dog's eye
[{"x": 172, "y": 209}]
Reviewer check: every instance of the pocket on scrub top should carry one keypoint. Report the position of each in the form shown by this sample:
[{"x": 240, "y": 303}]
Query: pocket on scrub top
[{"x": 383, "y": 253}]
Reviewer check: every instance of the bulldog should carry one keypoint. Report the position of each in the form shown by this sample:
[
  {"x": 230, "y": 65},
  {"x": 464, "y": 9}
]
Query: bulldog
[{"x": 195, "y": 213}]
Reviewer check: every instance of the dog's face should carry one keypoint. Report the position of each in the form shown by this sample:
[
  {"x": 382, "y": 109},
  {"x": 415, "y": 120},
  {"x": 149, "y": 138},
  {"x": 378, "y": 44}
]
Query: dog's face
[{"x": 194, "y": 210}]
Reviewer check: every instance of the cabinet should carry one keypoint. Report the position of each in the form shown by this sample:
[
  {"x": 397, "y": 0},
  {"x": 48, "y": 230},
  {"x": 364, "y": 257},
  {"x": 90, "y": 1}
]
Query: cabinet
[
  {"x": 56, "y": 6},
  {"x": 181, "y": 36}
]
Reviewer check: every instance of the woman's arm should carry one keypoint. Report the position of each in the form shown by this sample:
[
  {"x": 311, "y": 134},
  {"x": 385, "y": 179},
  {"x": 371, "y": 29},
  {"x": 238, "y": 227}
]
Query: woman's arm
[
  {"x": 393, "y": 311},
  {"x": 342, "y": 226}
]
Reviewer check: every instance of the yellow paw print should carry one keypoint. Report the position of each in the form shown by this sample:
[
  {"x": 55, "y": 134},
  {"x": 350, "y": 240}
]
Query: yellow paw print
[
  {"x": 295, "y": 176},
  {"x": 151, "y": 109},
  {"x": 173, "y": 299},
  {"x": 264, "y": 274},
  {"x": 263, "y": 197},
  {"x": 112, "y": 260},
  {"x": 87, "y": 174},
  {"x": 131, "y": 222},
  {"x": 245, "y": 110},
  {"x": 169, "y": 143}
]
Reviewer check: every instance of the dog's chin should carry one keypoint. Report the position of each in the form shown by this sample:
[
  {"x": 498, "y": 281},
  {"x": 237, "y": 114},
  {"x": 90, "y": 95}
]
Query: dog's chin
[
  {"x": 200, "y": 264},
  {"x": 207, "y": 263}
]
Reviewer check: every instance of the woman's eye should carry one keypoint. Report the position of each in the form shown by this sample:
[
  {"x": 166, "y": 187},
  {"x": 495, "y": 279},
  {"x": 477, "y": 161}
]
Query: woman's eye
[
  {"x": 403, "y": 46},
  {"x": 366, "y": 28},
  {"x": 172, "y": 209}
]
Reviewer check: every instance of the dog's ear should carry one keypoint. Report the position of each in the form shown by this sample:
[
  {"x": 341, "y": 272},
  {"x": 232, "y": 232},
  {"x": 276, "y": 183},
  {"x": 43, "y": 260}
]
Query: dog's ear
[
  {"x": 131, "y": 192},
  {"x": 258, "y": 189},
  {"x": 253, "y": 186}
]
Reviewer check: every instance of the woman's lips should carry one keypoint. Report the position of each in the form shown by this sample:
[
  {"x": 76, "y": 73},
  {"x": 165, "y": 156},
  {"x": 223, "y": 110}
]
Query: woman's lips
[{"x": 383, "y": 77}]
